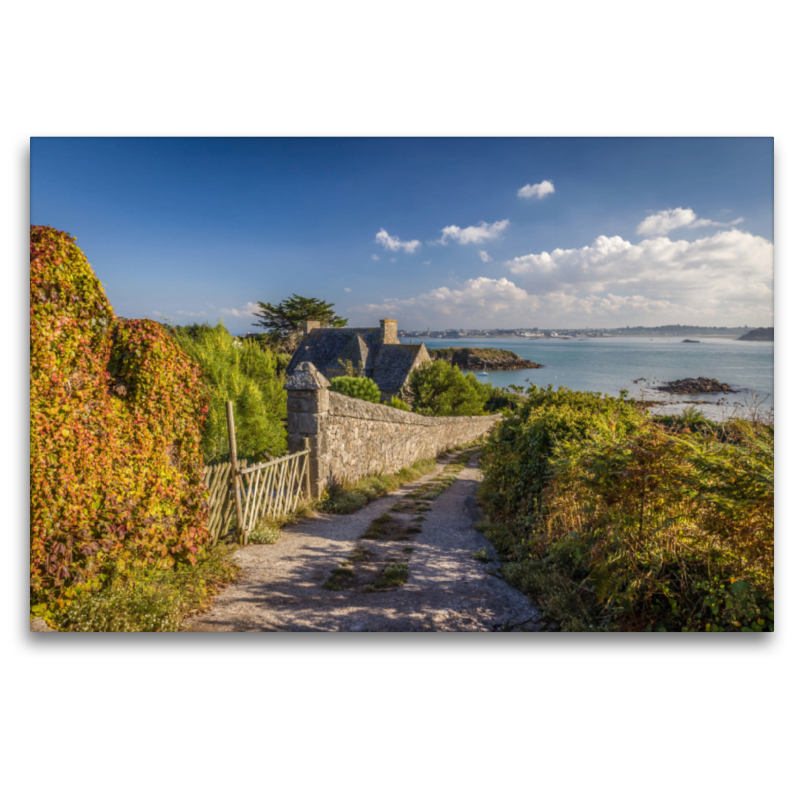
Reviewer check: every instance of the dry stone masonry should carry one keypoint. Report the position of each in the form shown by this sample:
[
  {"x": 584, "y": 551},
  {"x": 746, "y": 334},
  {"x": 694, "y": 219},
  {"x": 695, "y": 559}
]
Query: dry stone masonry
[{"x": 352, "y": 438}]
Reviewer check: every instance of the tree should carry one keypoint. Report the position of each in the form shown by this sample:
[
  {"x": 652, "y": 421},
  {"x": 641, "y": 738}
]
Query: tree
[
  {"x": 440, "y": 389},
  {"x": 284, "y": 321},
  {"x": 246, "y": 374}
]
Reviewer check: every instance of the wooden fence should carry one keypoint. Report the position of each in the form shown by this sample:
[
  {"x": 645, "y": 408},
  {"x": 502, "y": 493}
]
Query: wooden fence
[{"x": 268, "y": 490}]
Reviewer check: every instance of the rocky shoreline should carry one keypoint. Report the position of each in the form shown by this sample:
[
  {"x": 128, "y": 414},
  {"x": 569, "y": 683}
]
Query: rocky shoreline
[
  {"x": 481, "y": 358},
  {"x": 695, "y": 386}
]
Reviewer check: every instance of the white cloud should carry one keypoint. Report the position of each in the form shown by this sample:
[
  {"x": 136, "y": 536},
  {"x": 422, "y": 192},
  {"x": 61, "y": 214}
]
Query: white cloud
[
  {"x": 426, "y": 262},
  {"x": 347, "y": 290},
  {"x": 491, "y": 296},
  {"x": 704, "y": 223},
  {"x": 665, "y": 221},
  {"x": 485, "y": 257},
  {"x": 721, "y": 279},
  {"x": 247, "y": 310},
  {"x": 474, "y": 234},
  {"x": 717, "y": 277},
  {"x": 672, "y": 218},
  {"x": 392, "y": 260},
  {"x": 375, "y": 258},
  {"x": 394, "y": 244},
  {"x": 538, "y": 190},
  {"x": 499, "y": 303}
]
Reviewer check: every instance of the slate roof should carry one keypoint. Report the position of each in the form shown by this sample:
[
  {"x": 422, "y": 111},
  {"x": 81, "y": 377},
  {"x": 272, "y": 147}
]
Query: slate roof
[
  {"x": 387, "y": 364},
  {"x": 393, "y": 365},
  {"x": 355, "y": 351}
]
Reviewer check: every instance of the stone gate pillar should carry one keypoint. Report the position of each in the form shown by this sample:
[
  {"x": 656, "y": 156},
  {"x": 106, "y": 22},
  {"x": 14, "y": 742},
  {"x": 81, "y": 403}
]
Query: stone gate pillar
[{"x": 307, "y": 402}]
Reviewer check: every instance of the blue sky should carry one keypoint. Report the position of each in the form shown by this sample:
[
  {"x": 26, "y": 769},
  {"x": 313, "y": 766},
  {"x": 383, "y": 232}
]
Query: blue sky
[{"x": 434, "y": 232}]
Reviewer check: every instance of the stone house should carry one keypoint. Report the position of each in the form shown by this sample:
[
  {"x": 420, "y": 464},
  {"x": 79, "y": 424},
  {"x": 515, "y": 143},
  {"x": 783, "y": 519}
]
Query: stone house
[{"x": 369, "y": 352}]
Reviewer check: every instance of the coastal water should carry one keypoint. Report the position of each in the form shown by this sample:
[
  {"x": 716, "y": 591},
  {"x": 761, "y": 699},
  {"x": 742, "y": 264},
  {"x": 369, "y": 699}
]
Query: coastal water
[{"x": 611, "y": 364}]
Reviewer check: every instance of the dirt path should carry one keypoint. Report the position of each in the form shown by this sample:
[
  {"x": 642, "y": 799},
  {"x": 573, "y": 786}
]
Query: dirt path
[{"x": 281, "y": 588}]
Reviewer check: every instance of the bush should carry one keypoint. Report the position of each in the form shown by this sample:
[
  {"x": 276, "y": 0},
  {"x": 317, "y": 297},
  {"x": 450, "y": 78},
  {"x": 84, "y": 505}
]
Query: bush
[
  {"x": 246, "y": 374},
  {"x": 361, "y": 388},
  {"x": 396, "y": 402},
  {"x": 440, "y": 389},
  {"x": 519, "y": 454},
  {"x": 501, "y": 399},
  {"x": 116, "y": 413},
  {"x": 613, "y": 522},
  {"x": 151, "y": 599}
]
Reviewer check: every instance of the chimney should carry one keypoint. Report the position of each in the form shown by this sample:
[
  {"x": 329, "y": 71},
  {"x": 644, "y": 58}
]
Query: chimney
[
  {"x": 309, "y": 326},
  {"x": 389, "y": 331}
]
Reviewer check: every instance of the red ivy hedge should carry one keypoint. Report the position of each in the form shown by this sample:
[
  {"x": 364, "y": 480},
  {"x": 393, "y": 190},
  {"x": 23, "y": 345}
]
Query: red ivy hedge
[{"x": 116, "y": 416}]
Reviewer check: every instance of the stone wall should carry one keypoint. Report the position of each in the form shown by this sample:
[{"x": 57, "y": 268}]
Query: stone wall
[{"x": 351, "y": 438}]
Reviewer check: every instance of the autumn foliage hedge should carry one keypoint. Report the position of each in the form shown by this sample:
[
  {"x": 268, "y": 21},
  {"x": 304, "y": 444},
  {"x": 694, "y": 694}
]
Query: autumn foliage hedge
[{"x": 116, "y": 416}]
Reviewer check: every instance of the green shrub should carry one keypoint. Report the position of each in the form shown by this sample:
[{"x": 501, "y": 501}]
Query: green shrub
[
  {"x": 501, "y": 399},
  {"x": 360, "y": 388},
  {"x": 612, "y": 522},
  {"x": 246, "y": 374},
  {"x": 396, "y": 402},
  {"x": 150, "y": 599},
  {"x": 116, "y": 413},
  {"x": 518, "y": 456},
  {"x": 440, "y": 389}
]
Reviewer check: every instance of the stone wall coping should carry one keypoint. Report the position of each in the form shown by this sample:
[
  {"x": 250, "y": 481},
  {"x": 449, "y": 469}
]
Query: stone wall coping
[
  {"x": 342, "y": 405},
  {"x": 306, "y": 378}
]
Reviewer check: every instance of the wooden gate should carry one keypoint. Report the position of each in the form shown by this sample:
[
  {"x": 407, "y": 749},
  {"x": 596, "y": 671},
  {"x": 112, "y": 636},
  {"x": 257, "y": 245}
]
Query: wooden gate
[
  {"x": 273, "y": 489},
  {"x": 269, "y": 490}
]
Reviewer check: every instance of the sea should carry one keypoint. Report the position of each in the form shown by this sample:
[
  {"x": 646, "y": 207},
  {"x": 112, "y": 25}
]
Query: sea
[{"x": 637, "y": 365}]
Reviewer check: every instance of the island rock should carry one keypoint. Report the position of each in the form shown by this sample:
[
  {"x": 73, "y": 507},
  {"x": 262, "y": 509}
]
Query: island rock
[
  {"x": 481, "y": 358},
  {"x": 696, "y": 386},
  {"x": 759, "y": 335}
]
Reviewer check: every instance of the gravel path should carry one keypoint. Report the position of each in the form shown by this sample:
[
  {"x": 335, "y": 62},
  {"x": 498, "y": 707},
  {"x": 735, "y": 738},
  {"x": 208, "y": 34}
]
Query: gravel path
[{"x": 447, "y": 589}]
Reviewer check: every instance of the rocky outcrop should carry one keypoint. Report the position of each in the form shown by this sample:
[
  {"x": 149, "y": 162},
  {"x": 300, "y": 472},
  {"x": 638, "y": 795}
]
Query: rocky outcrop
[
  {"x": 696, "y": 386},
  {"x": 759, "y": 335},
  {"x": 482, "y": 358}
]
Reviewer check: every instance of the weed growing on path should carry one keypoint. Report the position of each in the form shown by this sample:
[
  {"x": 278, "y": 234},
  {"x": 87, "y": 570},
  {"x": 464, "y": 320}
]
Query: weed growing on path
[
  {"x": 394, "y": 575},
  {"x": 340, "y": 578},
  {"x": 264, "y": 533}
]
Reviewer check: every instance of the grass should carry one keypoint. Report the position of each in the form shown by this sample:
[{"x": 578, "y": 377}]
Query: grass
[
  {"x": 378, "y": 528},
  {"x": 482, "y": 555},
  {"x": 152, "y": 600},
  {"x": 264, "y": 533},
  {"x": 394, "y": 575},
  {"x": 349, "y": 497},
  {"x": 358, "y": 555},
  {"x": 339, "y": 579}
]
